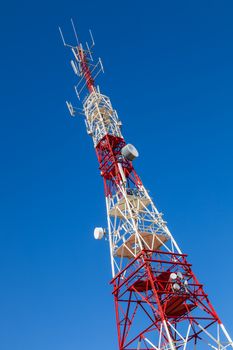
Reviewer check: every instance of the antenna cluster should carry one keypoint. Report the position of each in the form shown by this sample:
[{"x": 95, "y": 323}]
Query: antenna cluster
[{"x": 85, "y": 67}]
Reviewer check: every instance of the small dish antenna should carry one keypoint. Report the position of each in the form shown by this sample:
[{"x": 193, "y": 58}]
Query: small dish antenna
[
  {"x": 99, "y": 233},
  {"x": 173, "y": 276}
]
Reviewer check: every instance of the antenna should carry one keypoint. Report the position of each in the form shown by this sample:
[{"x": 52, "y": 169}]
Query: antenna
[
  {"x": 63, "y": 40},
  {"x": 88, "y": 48},
  {"x": 75, "y": 32},
  {"x": 92, "y": 39},
  {"x": 75, "y": 68},
  {"x": 71, "y": 109},
  {"x": 101, "y": 64},
  {"x": 84, "y": 65}
]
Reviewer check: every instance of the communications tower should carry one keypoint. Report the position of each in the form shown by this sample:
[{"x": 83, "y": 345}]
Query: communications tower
[{"x": 159, "y": 302}]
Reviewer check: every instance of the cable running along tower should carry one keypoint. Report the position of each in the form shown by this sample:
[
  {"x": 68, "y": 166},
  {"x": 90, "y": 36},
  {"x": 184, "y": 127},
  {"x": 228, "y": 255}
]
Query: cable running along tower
[{"x": 159, "y": 302}]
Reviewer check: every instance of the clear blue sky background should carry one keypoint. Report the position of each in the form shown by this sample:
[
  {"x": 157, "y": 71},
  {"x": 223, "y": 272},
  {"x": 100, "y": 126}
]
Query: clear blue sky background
[{"x": 169, "y": 73}]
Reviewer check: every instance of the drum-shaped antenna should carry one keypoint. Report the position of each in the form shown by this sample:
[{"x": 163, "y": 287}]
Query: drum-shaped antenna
[{"x": 129, "y": 152}]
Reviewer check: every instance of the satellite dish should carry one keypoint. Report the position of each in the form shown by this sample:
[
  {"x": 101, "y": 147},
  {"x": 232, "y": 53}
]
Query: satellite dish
[
  {"x": 179, "y": 275},
  {"x": 176, "y": 286},
  {"x": 129, "y": 152},
  {"x": 173, "y": 276},
  {"x": 98, "y": 233}
]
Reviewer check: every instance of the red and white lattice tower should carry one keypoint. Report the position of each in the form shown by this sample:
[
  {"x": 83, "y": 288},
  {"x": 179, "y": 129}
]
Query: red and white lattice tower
[{"x": 159, "y": 302}]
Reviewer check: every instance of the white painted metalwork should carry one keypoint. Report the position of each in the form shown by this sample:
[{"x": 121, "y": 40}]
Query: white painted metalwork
[{"x": 101, "y": 118}]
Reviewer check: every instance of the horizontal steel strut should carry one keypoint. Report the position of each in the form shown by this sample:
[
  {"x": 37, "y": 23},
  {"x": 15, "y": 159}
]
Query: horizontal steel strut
[{"x": 159, "y": 302}]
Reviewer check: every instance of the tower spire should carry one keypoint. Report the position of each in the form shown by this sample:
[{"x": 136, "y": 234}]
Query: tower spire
[
  {"x": 159, "y": 302},
  {"x": 84, "y": 66}
]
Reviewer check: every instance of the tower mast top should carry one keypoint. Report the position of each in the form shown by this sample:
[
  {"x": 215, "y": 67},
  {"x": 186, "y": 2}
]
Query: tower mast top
[{"x": 83, "y": 64}]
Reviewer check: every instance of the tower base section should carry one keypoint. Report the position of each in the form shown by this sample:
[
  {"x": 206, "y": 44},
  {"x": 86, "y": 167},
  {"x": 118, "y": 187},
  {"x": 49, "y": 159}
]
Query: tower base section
[{"x": 161, "y": 305}]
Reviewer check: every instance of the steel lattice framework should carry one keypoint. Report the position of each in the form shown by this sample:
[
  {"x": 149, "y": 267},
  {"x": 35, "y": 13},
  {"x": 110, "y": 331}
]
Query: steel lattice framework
[{"x": 159, "y": 302}]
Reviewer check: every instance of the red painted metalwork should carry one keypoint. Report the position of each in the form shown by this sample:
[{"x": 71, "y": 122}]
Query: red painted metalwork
[
  {"x": 109, "y": 155},
  {"x": 85, "y": 69},
  {"x": 144, "y": 290}
]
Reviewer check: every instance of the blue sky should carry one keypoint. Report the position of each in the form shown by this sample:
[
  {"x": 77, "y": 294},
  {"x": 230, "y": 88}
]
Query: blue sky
[{"x": 169, "y": 74}]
